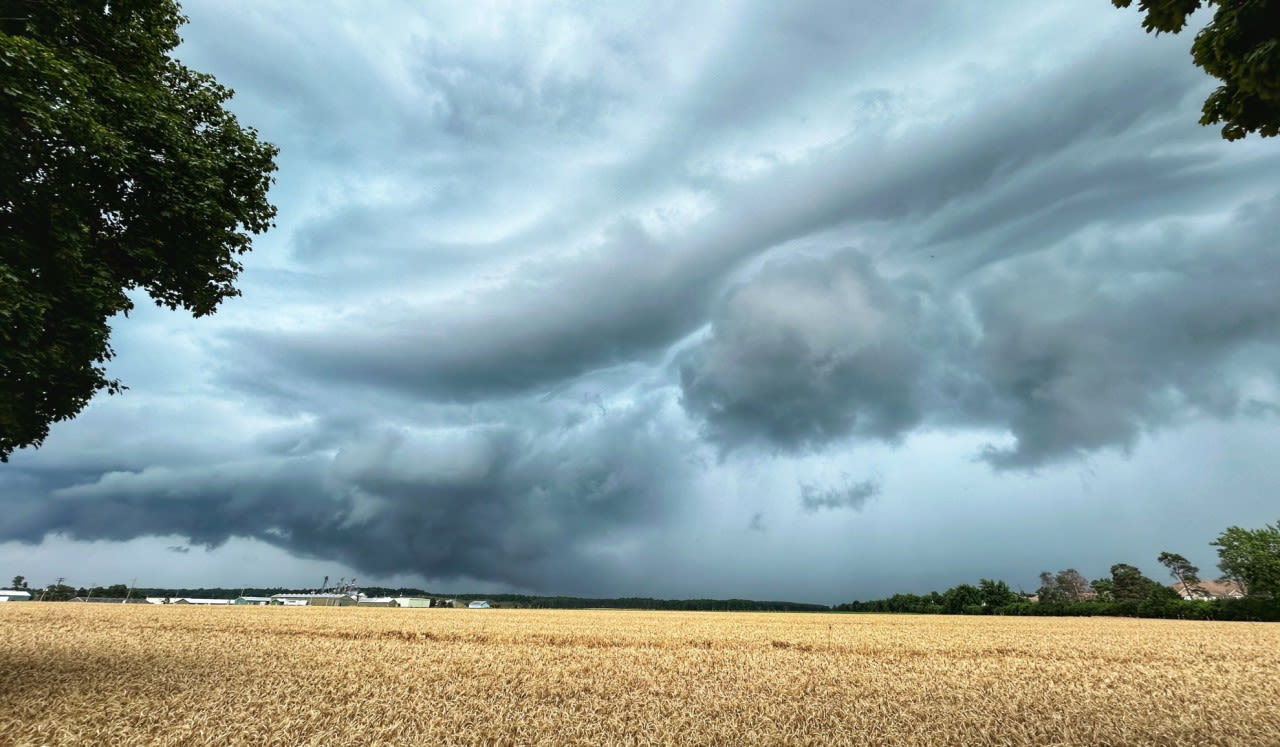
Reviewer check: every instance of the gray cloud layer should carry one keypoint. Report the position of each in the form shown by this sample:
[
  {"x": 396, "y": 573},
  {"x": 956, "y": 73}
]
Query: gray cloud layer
[
  {"x": 808, "y": 353},
  {"x": 1070, "y": 351},
  {"x": 548, "y": 280},
  {"x": 516, "y": 504}
]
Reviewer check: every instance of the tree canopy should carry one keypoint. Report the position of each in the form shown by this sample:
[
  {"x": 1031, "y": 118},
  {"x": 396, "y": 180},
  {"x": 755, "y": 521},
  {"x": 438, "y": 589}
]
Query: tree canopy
[
  {"x": 1128, "y": 584},
  {"x": 121, "y": 171},
  {"x": 1181, "y": 570},
  {"x": 1251, "y": 557},
  {"x": 1064, "y": 586},
  {"x": 1240, "y": 47}
]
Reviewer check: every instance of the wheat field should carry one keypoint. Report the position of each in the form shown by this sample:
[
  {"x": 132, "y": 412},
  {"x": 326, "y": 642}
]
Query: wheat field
[{"x": 77, "y": 674}]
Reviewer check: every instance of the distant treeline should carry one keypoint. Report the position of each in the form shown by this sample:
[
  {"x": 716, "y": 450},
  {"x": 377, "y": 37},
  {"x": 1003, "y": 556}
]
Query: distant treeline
[
  {"x": 1167, "y": 605},
  {"x": 1248, "y": 558},
  {"x": 644, "y": 603}
]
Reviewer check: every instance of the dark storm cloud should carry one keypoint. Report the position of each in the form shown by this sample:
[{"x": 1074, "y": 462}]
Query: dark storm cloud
[
  {"x": 1070, "y": 352},
  {"x": 556, "y": 322},
  {"x": 627, "y": 293},
  {"x": 1078, "y": 356},
  {"x": 499, "y": 503},
  {"x": 847, "y": 495},
  {"x": 808, "y": 352}
]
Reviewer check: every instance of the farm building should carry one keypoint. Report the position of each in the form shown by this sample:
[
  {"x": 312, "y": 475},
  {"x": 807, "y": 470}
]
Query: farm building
[
  {"x": 375, "y": 602},
  {"x": 327, "y": 599},
  {"x": 199, "y": 601},
  {"x": 413, "y": 602},
  {"x": 14, "y": 595},
  {"x": 479, "y": 604},
  {"x": 259, "y": 601}
]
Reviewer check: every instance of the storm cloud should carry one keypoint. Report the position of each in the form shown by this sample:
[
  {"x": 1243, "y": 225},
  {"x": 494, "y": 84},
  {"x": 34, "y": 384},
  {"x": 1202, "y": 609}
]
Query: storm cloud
[
  {"x": 725, "y": 299},
  {"x": 848, "y": 495},
  {"x": 806, "y": 353},
  {"x": 498, "y": 502}
]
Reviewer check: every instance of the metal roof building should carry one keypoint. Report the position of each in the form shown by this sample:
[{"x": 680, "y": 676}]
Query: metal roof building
[{"x": 327, "y": 599}]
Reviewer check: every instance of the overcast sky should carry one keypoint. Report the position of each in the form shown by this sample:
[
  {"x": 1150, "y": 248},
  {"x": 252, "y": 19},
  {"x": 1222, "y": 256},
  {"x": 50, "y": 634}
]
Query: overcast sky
[{"x": 811, "y": 301}]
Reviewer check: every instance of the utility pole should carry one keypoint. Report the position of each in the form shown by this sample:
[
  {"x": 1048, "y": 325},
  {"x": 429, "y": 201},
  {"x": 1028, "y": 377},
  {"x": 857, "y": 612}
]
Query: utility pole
[{"x": 45, "y": 590}]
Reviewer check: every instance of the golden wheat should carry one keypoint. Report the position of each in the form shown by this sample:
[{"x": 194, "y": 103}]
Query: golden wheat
[{"x": 74, "y": 674}]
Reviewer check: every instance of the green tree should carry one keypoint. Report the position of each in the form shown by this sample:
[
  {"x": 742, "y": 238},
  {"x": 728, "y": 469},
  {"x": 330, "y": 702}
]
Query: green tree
[
  {"x": 1064, "y": 586},
  {"x": 120, "y": 171},
  {"x": 19, "y": 583},
  {"x": 955, "y": 599},
  {"x": 1073, "y": 586},
  {"x": 58, "y": 592},
  {"x": 1128, "y": 584},
  {"x": 1048, "y": 591},
  {"x": 115, "y": 591},
  {"x": 1241, "y": 48},
  {"x": 995, "y": 594},
  {"x": 1251, "y": 557},
  {"x": 1103, "y": 588},
  {"x": 1186, "y": 575}
]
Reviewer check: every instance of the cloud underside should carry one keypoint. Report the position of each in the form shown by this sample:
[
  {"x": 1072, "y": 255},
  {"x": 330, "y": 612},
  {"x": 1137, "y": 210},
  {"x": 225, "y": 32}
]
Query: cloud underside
[
  {"x": 523, "y": 321},
  {"x": 1069, "y": 352}
]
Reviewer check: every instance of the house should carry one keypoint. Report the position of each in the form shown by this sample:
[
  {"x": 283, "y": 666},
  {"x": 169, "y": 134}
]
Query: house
[
  {"x": 256, "y": 601},
  {"x": 479, "y": 604},
  {"x": 14, "y": 595},
  {"x": 1209, "y": 590}
]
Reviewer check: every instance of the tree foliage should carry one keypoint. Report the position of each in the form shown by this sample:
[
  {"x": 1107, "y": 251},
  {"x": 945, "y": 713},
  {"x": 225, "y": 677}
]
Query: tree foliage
[
  {"x": 1251, "y": 557},
  {"x": 956, "y": 599},
  {"x": 1064, "y": 586},
  {"x": 1128, "y": 584},
  {"x": 995, "y": 593},
  {"x": 121, "y": 171},
  {"x": 1241, "y": 48},
  {"x": 57, "y": 593},
  {"x": 1181, "y": 570}
]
